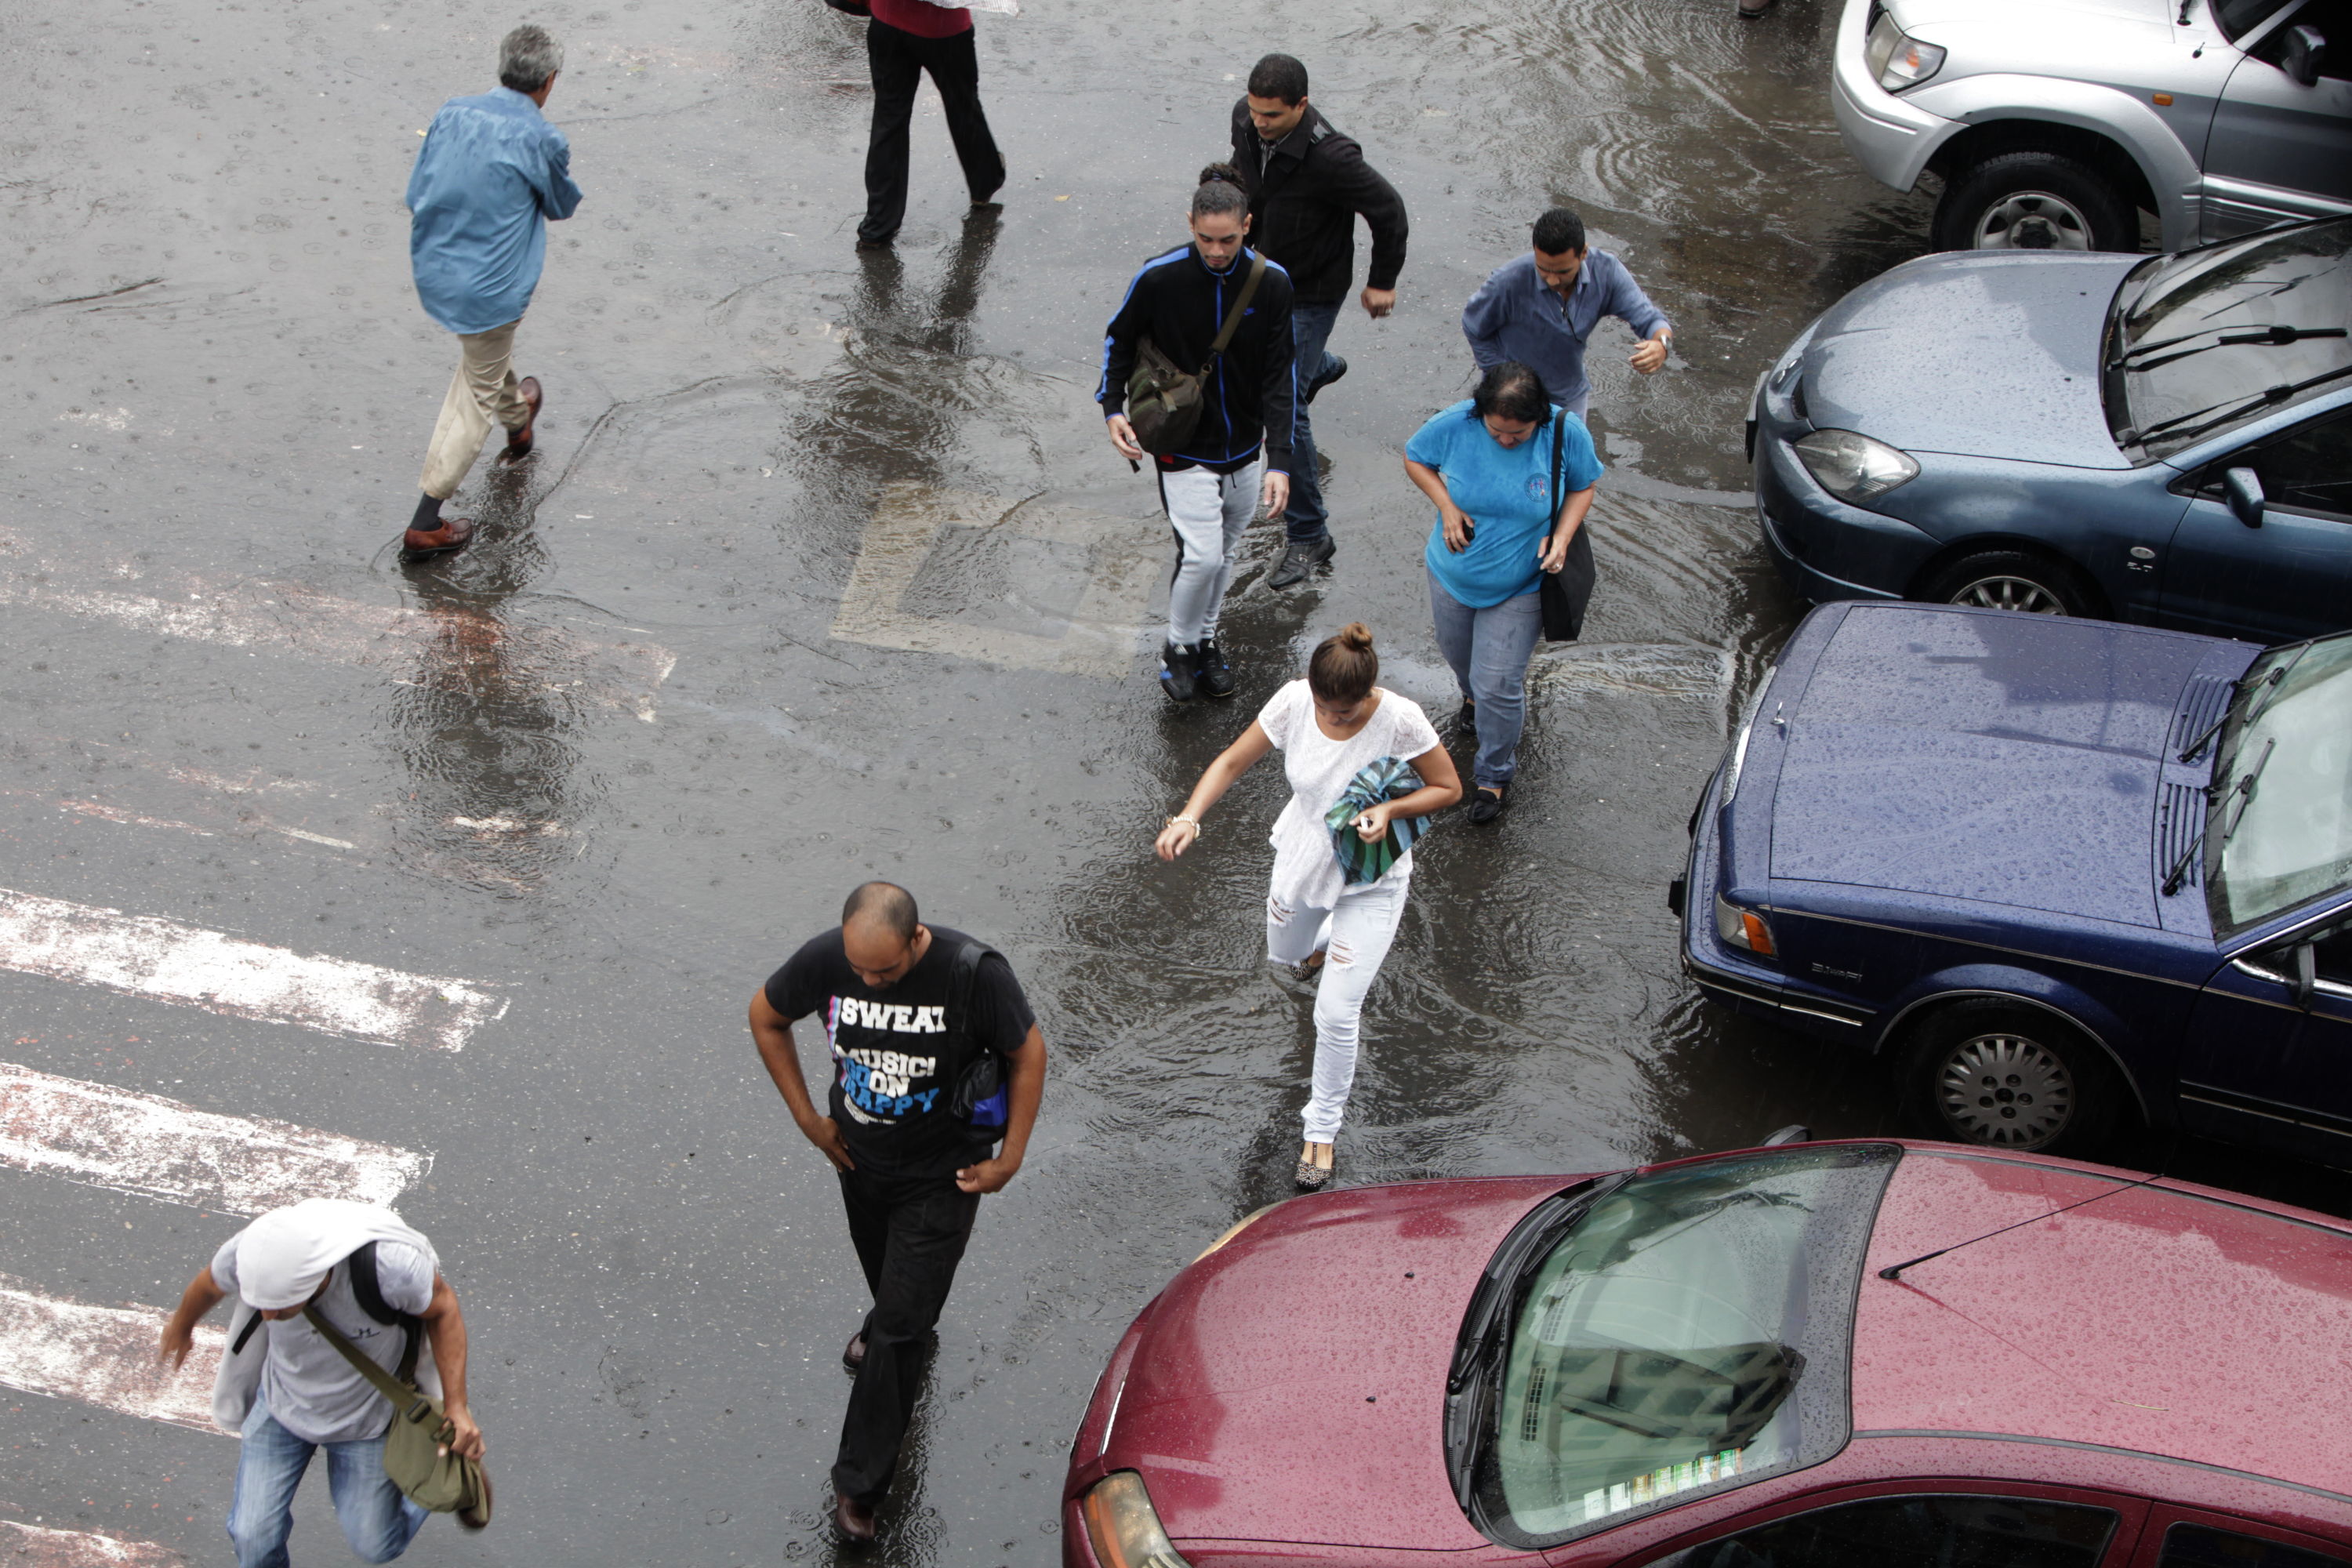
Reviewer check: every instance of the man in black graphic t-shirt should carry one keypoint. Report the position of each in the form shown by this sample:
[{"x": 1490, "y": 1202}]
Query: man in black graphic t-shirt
[{"x": 907, "y": 1034}]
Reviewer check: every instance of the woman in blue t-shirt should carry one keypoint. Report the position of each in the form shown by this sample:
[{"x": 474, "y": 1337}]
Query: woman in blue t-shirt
[{"x": 1487, "y": 464}]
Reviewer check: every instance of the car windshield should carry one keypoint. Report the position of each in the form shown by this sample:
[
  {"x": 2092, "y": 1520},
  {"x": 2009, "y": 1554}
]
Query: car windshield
[
  {"x": 2208, "y": 340},
  {"x": 1690, "y": 1333},
  {"x": 2279, "y": 830}
]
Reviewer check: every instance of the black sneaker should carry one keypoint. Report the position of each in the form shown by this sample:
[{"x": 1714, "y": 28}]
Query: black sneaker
[
  {"x": 1334, "y": 367},
  {"x": 1299, "y": 558},
  {"x": 1180, "y": 670},
  {"x": 1216, "y": 676}
]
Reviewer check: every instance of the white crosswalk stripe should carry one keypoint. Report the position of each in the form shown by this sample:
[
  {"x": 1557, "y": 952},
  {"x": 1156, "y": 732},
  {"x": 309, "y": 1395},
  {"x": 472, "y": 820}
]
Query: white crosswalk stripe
[
  {"x": 158, "y": 1148},
  {"x": 104, "y": 1356},
  {"x": 144, "y": 955},
  {"x": 36, "y": 1546}
]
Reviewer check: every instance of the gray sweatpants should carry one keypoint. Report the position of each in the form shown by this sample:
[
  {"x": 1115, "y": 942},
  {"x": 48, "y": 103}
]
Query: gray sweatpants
[{"x": 1210, "y": 512}]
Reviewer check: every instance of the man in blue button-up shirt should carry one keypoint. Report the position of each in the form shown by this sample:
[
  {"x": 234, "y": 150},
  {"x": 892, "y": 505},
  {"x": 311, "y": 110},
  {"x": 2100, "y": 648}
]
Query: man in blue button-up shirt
[
  {"x": 491, "y": 174},
  {"x": 1541, "y": 309}
]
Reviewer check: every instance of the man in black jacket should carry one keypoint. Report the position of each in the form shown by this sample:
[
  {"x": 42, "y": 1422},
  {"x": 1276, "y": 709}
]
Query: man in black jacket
[
  {"x": 1307, "y": 183},
  {"x": 1239, "y": 454}
]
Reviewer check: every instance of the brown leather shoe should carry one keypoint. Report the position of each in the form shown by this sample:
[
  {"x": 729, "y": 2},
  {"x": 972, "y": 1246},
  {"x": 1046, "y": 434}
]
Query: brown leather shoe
[
  {"x": 454, "y": 534},
  {"x": 478, "y": 1516},
  {"x": 518, "y": 441},
  {"x": 854, "y": 1520},
  {"x": 853, "y": 1354}
]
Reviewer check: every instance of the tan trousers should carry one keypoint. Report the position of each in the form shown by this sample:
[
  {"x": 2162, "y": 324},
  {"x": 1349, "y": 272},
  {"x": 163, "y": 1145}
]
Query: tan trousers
[{"x": 481, "y": 394}]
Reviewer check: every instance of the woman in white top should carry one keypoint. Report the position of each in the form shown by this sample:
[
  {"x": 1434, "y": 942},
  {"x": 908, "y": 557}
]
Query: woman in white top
[{"x": 1329, "y": 727}]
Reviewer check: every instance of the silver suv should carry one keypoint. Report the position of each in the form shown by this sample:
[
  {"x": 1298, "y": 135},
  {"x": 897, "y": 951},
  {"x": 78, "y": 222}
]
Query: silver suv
[{"x": 2054, "y": 124}]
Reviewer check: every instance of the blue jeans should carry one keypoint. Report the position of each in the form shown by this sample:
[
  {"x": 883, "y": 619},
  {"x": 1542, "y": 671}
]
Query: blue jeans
[
  {"x": 377, "y": 1520},
  {"x": 1488, "y": 651},
  {"x": 1310, "y": 328}
]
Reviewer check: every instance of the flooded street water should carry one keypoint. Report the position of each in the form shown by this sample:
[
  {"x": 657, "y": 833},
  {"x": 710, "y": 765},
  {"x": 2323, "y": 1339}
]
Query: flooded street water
[{"x": 824, "y": 571}]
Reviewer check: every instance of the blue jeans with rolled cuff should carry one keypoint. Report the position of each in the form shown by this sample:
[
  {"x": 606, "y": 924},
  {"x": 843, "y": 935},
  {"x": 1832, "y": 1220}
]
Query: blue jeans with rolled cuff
[
  {"x": 1488, "y": 652},
  {"x": 377, "y": 1520}
]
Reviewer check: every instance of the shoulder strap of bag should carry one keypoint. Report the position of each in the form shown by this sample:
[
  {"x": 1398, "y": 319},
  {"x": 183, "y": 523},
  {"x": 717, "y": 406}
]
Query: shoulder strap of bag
[
  {"x": 963, "y": 974},
  {"x": 369, "y": 1293},
  {"x": 401, "y": 1396},
  {"x": 1559, "y": 435},
  {"x": 1241, "y": 303}
]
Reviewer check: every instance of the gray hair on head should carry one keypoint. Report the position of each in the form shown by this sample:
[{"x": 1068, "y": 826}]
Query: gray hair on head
[{"x": 528, "y": 58}]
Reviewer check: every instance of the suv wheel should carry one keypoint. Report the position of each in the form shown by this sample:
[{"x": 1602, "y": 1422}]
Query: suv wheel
[
  {"x": 2034, "y": 201},
  {"x": 2009, "y": 580},
  {"x": 2004, "y": 1077}
]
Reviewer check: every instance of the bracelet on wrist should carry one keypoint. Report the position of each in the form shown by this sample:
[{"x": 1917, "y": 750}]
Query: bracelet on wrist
[{"x": 1192, "y": 822}]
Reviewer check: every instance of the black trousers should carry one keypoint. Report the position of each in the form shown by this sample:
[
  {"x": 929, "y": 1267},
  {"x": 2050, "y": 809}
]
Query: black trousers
[
  {"x": 910, "y": 1232},
  {"x": 897, "y": 61}
]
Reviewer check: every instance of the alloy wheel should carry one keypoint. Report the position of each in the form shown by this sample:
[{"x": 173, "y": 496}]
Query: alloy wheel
[
  {"x": 2032, "y": 220},
  {"x": 2005, "y": 1090},
  {"x": 2002, "y": 592}
]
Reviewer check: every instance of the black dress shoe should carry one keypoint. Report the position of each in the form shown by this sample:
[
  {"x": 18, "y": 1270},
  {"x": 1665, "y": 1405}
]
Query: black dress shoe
[
  {"x": 1488, "y": 804},
  {"x": 853, "y": 1354},
  {"x": 854, "y": 1520},
  {"x": 1216, "y": 676},
  {"x": 1334, "y": 367},
  {"x": 1299, "y": 558},
  {"x": 1180, "y": 671}
]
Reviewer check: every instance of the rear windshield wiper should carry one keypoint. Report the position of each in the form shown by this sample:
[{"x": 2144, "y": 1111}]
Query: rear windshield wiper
[{"x": 2277, "y": 336}]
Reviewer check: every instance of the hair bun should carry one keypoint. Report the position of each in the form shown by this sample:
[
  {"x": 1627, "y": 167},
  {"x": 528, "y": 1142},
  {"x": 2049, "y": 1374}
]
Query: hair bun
[
  {"x": 1224, "y": 171},
  {"x": 1355, "y": 633}
]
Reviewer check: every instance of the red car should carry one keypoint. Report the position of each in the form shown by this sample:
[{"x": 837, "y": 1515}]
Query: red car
[{"x": 1810, "y": 1356}]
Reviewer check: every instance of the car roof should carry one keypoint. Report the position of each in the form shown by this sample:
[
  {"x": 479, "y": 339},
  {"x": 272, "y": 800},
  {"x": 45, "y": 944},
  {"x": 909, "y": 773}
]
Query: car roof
[{"x": 2161, "y": 1318}]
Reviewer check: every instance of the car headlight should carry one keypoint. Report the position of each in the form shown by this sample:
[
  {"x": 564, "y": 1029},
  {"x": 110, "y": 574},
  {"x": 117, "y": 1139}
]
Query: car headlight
[
  {"x": 1854, "y": 467},
  {"x": 1897, "y": 58},
  {"x": 1121, "y": 1524},
  {"x": 1742, "y": 928}
]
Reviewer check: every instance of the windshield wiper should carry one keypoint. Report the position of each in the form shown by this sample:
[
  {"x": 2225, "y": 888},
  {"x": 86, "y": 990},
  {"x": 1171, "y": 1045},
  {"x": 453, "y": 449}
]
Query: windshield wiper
[
  {"x": 1469, "y": 1381},
  {"x": 2245, "y": 789},
  {"x": 2279, "y": 394},
  {"x": 2179, "y": 872},
  {"x": 2276, "y": 336},
  {"x": 2238, "y": 689}
]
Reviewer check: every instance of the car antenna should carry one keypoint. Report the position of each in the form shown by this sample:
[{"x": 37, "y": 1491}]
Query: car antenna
[{"x": 1895, "y": 1271}]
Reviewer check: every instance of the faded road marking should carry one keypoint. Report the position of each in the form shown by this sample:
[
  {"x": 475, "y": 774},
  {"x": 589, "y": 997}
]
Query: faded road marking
[
  {"x": 1109, "y": 564},
  {"x": 148, "y": 956},
  {"x": 285, "y": 617},
  {"x": 104, "y": 1356},
  {"x": 32, "y": 1546},
  {"x": 157, "y": 1148}
]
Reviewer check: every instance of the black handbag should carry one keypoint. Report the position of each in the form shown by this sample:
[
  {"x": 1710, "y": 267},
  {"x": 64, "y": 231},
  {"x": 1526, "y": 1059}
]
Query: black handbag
[{"x": 1562, "y": 595}]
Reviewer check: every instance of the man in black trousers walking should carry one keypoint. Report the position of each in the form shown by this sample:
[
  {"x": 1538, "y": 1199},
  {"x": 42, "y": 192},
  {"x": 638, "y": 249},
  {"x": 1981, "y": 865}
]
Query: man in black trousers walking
[
  {"x": 1308, "y": 183},
  {"x": 936, "y": 1055},
  {"x": 905, "y": 38}
]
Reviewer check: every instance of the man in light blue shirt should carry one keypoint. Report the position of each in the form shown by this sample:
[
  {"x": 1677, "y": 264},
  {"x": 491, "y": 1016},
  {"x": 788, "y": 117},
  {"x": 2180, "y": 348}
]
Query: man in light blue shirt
[
  {"x": 1539, "y": 308},
  {"x": 491, "y": 172}
]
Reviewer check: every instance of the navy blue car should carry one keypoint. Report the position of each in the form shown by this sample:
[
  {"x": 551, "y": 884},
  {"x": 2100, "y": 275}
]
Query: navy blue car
[
  {"x": 2065, "y": 876},
  {"x": 2160, "y": 439}
]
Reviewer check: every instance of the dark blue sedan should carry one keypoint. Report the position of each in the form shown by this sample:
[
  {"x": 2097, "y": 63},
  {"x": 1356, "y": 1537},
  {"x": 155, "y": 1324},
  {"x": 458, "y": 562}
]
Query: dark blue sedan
[
  {"x": 2066, "y": 876},
  {"x": 2162, "y": 439}
]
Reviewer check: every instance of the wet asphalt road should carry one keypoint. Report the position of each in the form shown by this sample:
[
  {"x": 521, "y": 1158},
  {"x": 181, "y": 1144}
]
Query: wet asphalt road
[{"x": 866, "y": 506}]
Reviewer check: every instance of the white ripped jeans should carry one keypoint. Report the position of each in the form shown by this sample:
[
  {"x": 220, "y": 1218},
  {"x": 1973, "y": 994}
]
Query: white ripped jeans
[{"x": 1355, "y": 935}]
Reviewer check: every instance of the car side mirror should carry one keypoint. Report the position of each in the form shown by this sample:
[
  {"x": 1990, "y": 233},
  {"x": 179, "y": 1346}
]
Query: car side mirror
[
  {"x": 2305, "y": 53},
  {"x": 2307, "y": 975},
  {"x": 2245, "y": 489}
]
